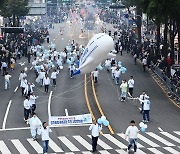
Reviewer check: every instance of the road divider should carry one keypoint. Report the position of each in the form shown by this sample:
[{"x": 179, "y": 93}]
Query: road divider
[
  {"x": 6, "y": 115},
  {"x": 16, "y": 89},
  {"x": 98, "y": 105}
]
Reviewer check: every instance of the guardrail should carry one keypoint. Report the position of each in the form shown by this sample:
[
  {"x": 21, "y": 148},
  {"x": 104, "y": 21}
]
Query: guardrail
[{"x": 174, "y": 91}]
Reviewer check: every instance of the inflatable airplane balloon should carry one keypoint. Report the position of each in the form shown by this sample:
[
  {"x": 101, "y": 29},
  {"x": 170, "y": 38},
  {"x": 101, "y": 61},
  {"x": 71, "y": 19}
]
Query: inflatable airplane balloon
[{"x": 96, "y": 51}]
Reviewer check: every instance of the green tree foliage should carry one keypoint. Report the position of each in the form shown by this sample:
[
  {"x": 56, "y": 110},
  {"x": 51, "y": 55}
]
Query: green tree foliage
[{"x": 15, "y": 9}]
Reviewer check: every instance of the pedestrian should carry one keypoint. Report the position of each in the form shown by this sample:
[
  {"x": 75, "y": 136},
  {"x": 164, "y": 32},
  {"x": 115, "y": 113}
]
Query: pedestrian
[
  {"x": 71, "y": 69},
  {"x": 23, "y": 85},
  {"x": 7, "y": 81},
  {"x": 41, "y": 76},
  {"x": 113, "y": 68},
  {"x": 47, "y": 38},
  {"x": 35, "y": 126},
  {"x": 146, "y": 109},
  {"x": 142, "y": 97},
  {"x": 54, "y": 76},
  {"x": 27, "y": 109},
  {"x": 144, "y": 62},
  {"x": 124, "y": 88},
  {"x": 29, "y": 88},
  {"x": 135, "y": 59},
  {"x": 33, "y": 102},
  {"x": 45, "y": 130},
  {"x": 4, "y": 67},
  {"x": 46, "y": 83},
  {"x": 95, "y": 75},
  {"x": 131, "y": 85},
  {"x": 117, "y": 74},
  {"x": 132, "y": 133},
  {"x": 95, "y": 128},
  {"x": 22, "y": 75}
]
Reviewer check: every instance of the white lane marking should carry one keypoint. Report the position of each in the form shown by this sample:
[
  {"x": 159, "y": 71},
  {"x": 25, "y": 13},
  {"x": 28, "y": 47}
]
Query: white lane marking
[
  {"x": 172, "y": 137},
  {"x": 19, "y": 146},
  {"x": 70, "y": 145},
  {"x": 86, "y": 152},
  {"x": 104, "y": 152},
  {"x": 171, "y": 150},
  {"x": 24, "y": 128},
  {"x": 160, "y": 129},
  {"x": 83, "y": 142},
  {"x": 121, "y": 151},
  {"x": 115, "y": 141},
  {"x": 3, "y": 148},
  {"x": 49, "y": 104},
  {"x": 6, "y": 115},
  {"x": 102, "y": 144},
  {"x": 147, "y": 141},
  {"x": 69, "y": 153},
  {"x": 177, "y": 132},
  {"x": 66, "y": 112},
  {"x": 54, "y": 146},
  {"x": 123, "y": 136},
  {"x": 154, "y": 150},
  {"x": 31, "y": 68},
  {"x": 160, "y": 139},
  {"x": 35, "y": 145},
  {"x": 16, "y": 89}
]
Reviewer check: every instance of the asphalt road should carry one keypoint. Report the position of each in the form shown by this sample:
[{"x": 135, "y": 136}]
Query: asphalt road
[{"x": 69, "y": 94}]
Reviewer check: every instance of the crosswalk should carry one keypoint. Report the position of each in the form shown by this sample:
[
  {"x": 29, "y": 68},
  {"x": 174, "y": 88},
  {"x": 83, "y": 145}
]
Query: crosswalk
[{"x": 148, "y": 143}]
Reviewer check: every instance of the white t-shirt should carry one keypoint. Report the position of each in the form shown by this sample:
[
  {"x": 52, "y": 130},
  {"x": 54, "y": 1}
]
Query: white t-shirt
[
  {"x": 95, "y": 129},
  {"x": 117, "y": 73},
  {"x": 113, "y": 69},
  {"x": 45, "y": 133},
  {"x": 132, "y": 132},
  {"x": 54, "y": 75},
  {"x": 96, "y": 73},
  {"x": 131, "y": 83}
]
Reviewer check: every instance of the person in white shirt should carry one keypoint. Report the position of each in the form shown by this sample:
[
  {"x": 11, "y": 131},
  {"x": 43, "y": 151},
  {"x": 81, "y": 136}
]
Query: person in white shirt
[
  {"x": 45, "y": 130},
  {"x": 71, "y": 69},
  {"x": 41, "y": 76},
  {"x": 142, "y": 97},
  {"x": 113, "y": 68},
  {"x": 108, "y": 64},
  {"x": 95, "y": 75},
  {"x": 146, "y": 109},
  {"x": 4, "y": 67},
  {"x": 22, "y": 75},
  {"x": 27, "y": 109},
  {"x": 23, "y": 85},
  {"x": 117, "y": 74},
  {"x": 131, "y": 85},
  {"x": 29, "y": 88},
  {"x": 33, "y": 102},
  {"x": 132, "y": 133},
  {"x": 35, "y": 125},
  {"x": 7, "y": 81},
  {"x": 95, "y": 129},
  {"x": 144, "y": 62},
  {"x": 53, "y": 77},
  {"x": 46, "y": 83}
]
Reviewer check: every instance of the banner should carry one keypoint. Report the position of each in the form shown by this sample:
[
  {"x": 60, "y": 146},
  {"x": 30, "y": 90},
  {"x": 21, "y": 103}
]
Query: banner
[{"x": 70, "y": 120}]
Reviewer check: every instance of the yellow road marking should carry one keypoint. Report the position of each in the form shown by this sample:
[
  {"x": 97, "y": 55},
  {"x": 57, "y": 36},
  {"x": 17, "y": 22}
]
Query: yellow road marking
[
  {"x": 99, "y": 106},
  {"x": 87, "y": 100}
]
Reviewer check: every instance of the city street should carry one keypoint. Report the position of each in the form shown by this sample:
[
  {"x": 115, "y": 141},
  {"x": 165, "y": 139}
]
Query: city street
[{"x": 80, "y": 95}]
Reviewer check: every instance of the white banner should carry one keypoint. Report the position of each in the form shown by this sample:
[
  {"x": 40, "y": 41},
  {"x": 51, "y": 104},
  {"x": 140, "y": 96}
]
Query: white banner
[{"x": 70, "y": 120}]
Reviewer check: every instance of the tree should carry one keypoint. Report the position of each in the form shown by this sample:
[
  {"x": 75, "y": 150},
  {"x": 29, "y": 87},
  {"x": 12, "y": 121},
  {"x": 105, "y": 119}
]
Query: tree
[{"x": 14, "y": 9}]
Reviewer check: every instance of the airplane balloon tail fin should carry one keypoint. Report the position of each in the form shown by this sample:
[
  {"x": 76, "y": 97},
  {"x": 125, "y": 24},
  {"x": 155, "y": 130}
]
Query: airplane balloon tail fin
[{"x": 77, "y": 72}]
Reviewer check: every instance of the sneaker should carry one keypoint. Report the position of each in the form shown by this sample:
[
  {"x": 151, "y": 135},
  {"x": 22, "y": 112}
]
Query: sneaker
[
  {"x": 127, "y": 150},
  {"x": 143, "y": 120},
  {"x": 121, "y": 100},
  {"x": 135, "y": 152}
]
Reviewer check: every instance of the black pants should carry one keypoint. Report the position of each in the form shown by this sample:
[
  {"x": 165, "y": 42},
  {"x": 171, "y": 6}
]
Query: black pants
[
  {"x": 4, "y": 71},
  {"x": 94, "y": 143},
  {"x": 33, "y": 108},
  {"x": 95, "y": 79},
  {"x": 22, "y": 91},
  {"x": 26, "y": 113},
  {"x": 54, "y": 82},
  {"x": 46, "y": 88},
  {"x": 131, "y": 91}
]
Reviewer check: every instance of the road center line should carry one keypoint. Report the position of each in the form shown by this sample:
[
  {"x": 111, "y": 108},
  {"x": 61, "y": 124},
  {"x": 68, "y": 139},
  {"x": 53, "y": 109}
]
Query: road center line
[
  {"x": 66, "y": 112},
  {"x": 6, "y": 115},
  {"x": 49, "y": 104},
  {"x": 16, "y": 89}
]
